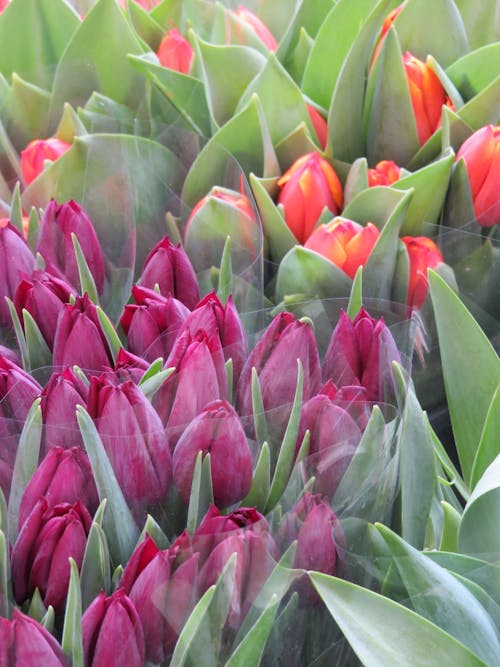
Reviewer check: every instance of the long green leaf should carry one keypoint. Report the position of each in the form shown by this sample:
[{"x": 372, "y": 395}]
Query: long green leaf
[
  {"x": 72, "y": 631},
  {"x": 5, "y": 581},
  {"x": 251, "y": 648},
  {"x": 489, "y": 445}
]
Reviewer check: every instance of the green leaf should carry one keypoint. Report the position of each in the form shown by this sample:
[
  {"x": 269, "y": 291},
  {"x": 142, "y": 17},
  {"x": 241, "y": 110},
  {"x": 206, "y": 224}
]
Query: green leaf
[
  {"x": 475, "y": 70},
  {"x": 16, "y": 209},
  {"x": 114, "y": 342},
  {"x": 261, "y": 481},
  {"x": 471, "y": 368},
  {"x": 152, "y": 529},
  {"x": 191, "y": 627},
  {"x": 484, "y": 108},
  {"x": 297, "y": 143},
  {"x": 96, "y": 569},
  {"x": 151, "y": 385},
  {"x": 201, "y": 491},
  {"x": 451, "y": 523},
  {"x": 249, "y": 651},
  {"x": 356, "y": 180},
  {"x": 144, "y": 24},
  {"x": 25, "y": 110},
  {"x": 72, "y": 631},
  {"x": 39, "y": 353},
  {"x": 21, "y": 340},
  {"x": 383, "y": 632},
  {"x": 36, "y": 608},
  {"x": 70, "y": 125},
  {"x": 87, "y": 283},
  {"x": 356, "y": 295},
  {"x": 258, "y": 410},
  {"x": 6, "y": 598},
  {"x": 296, "y": 60},
  {"x": 481, "y": 20},
  {"x": 488, "y": 447},
  {"x": 225, "y": 286}
]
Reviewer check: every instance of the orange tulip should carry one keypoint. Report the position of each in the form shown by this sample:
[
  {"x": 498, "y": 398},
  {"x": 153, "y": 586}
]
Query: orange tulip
[
  {"x": 37, "y": 152},
  {"x": 386, "y": 25},
  {"x": 385, "y": 172},
  {"x": 175, "y": 52},
  {"x": 344, "y": 242},
  {"x": 319, "y": 124},
  {"x": 306, "y": 188},
  {"x": 258, "y": 26},
  {"x": 423, "y": 254}
]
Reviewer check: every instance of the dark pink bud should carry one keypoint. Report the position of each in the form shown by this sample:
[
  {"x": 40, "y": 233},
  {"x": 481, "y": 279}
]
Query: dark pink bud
[
  {"x": 16, "y": 262},
  {"x": 129, "y": 366},
  {"x": 25, "y": 642}
]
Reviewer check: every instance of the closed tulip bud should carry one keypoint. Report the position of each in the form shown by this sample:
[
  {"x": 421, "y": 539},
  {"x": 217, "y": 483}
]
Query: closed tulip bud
[
  {"x": 351, "y": 397},
  {"x": 386, "y": 25},
  {"x": 258, "y": 27},
  {"x": 345, "y": 243},
  {"x": 306, "y": 189},
  {"x": 25, "y": 642},
  {"x": 129, "y": 366},
  {"x": 169, "y": 267},
  {"x": 175, "y": 52},
  {"x": 152, "y": 323},
  {"x": 481, "y": 154},
  {"x": 385, "y": 172},
  {"x": 55, "y": 243},
  {"x": 39, "y": 151},
  {"x": 423, "y": 254},
  {"x": 361, "y": 352},
  {"x": 319, "y": 124},
  {"x": 48, "y": 538},
  {"x": 217, "y": 431},
  {"x": 64, "y": 476},
  {"x": 16, "y": 262},
  {"x": 79, "y": 338},
  {"x": 112, "y": 633},
  {"x": 43, "y": 296},
  {"x": 427, "y": 96}
]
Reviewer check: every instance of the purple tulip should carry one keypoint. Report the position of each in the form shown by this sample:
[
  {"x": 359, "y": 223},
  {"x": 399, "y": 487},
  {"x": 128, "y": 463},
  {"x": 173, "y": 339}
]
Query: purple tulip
[
  {"x": 55, "y": 244},
  {"x": 170, "y": 268},
  {"x": 16, "y": 262},
  {"x": 129, "y": 366},
  {"x": 217, "y": 431},
  {"x": 25, "y": 642},
  {"x": 48, "y": 537},
  {"x": 134, "y": 438},
  {"x": 112, "y": 633},
  {"x": 64, "y": 476},
  {"x": 361, "y": 352},
  {"x": 152, "y": 323}
]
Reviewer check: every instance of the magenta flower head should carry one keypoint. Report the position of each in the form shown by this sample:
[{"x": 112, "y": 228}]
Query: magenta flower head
[
  {"x": 16, "y": 262},
  {"x": 129, "y": 366},
  {"x": 55, "y": 244},
  {"x": 152, "y": 323},
  {"x": 80, "y": 339},
  {"x": 25, "y": 642},
  {"x": 112, "y": 632},
  {"x": 134, "y": 438},
  {"x": 217, "y": 431},
  {"x": 43, "y": 296},
  {"x": 169, "y": 267},
  {"x": 64, "y": 476},
  {"x": 361, "y": 352},
  {"x": 48, "y": 537}
]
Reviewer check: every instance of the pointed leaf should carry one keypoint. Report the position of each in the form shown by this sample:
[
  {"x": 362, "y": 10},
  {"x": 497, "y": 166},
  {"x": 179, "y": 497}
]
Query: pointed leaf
[
  {"x": 488, "y": 447},
  {"x": 95, "y": 571},
  {"x": 249, "y": 651},
  {"x": 6, "y": 598},
  {"x": 109, "y": 331},
  {"x": 39, "y": 353},
  {"x": 87, "y": 283},
  {"x": 72, "y": 631},
  {"x": 225, "y": 287},
  {"x": 451, "y": 523},
  {"x": 261, "y": 481}
]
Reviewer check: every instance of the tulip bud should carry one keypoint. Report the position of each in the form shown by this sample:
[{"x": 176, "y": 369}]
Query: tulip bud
[
  {"x": 64, "y": 476},
  {"x": 25, "y": 642},
  {"x": 43, "y": 296},
  {"x": 345, "y": 243},
  {"x": 306, "y": 189},
  {"x": 16, "y": 262},
  {"x": 48, "y": 537},
  {"x": 152, "y": 323},
  {"x": 217, "y": 431},
  {"x": 481, "y": 154},
  {"x": 55, "y": 244},
  {"x": 386, "y": 25},
  {"x": 385, "y": 172},
  {"x": 423, "y": 254},
  {"x": 319, "y": 124},
  {"x": 112, "y": 634},
  {"x": 3, "y": 5},
  {"x": 37, "y": 152},
  {"x": 427, "y": 96},
  {"x": 175, "y": 52},
  {"x": 170, "y": 268},
  {"x": 258, "y": 26},
  {"x": 361, "y": 352},
  {"x": 129, "y": 366},
  {"x": 350, "y": 397}
]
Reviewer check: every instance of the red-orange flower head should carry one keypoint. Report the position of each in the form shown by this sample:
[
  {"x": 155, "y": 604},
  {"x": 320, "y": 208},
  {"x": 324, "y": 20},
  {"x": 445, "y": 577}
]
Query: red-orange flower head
[
  {"x": 306, "y": 188},
  {"x": 319, "y": 124},
  {"x": 423, "y": 254},
  {"x": 37, "y": 152},
  {"x": 427, "y": 96},
  {"x": 386, "y": 25},
  {"x": 385, "y": 172},
  {"x": 481, "y": 153},
  {"x": 231, "y": 197},
  {"x": 345, "y": 243},
  {"x": 258, "y": 26},
  {"x": 175, "y": 52}
]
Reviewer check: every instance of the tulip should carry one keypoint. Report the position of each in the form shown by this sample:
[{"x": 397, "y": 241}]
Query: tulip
[
  {"x": 319, "y": 124},
  {"x": 16, "y": 262},
  {"x": 152, "y": 323},
  {"x": 345, "y": 243},
  {"x": 361, "y": 352},
  {"x": 427, "y": 96},
  {"x": 258, "y": 27},
  {"x": 39, "y": 151},
  {"x": 48, "y": 537},
  {"x": 350, "y": 397},
  {"x": 112, "y": 634},
  {"x": 43, "y": 296},
  {"x": 79, "y": 338},
  {"x": 169, "y": 267},
  {"x": 175, "y": 52},
  {"x": 386, "y": 25},
  {"x": 25, "y": 642},
  {"x": 64, "y": 476},
  {"x": 306, "y": 189},
  {"x": 217, "y": 431},
  {"x": 385, "y": 172},
  {"x": 129, "y": 366},
  {"x": 3, "y": 5},
  {"x": 55, "y": 243},
  {"x": 423, "y": 254},
  {"x": 481, "y": 154}
]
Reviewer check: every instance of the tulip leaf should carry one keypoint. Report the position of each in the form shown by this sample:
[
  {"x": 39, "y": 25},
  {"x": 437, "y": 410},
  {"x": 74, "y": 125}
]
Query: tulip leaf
[
  {"x": 356, "y": 180},
  {"x": 72, "y": 631},
  {"x": 87, "y": 283},
  {"x": 21, "y": 340},
  {"x": 383, "y": 632},
  {"x": 481, "y": 21},
  {"x": 5, "y": 580},
  {"x": 201, "y": 492},
  {"x": 26, "y": 463},
  {"x": 119, "y": 525},
  {"x": 249, "y": 651},
  {"x": 10, "y": 160},
  {"x": 451, "y": 523},
  {"x": 261, "y": 481},
  {"x": 39, "y": 353},
  {"x": 191, "y": 627},
  {"x": 95, "y": 571},
  {"x": 475, "y": 70},
  {"x": 36, "y": 608},
  {"x": 33, "y": 227},
  {"x": 296, "y": 144},
  {"x": 459, "y": 211},
  {"x": 114, "y": 342},
  {"x": 225, "y": 286},
  {"x": 488, "y": 447},
  {"x": 230, "y": 376},
  {"x": 4, "y": 516},
  {"x": 155, "y": 367},
  {"x": 150, "y": 385},
  {"x": 258, "y": 410},
  {"x": 471, "y": 367},
  {"x": 149, "y": 30},
  {"x": 25, "y": 110},
  {"x": 152, "y": 529},
  {"x": 296, "y": 59},
  {"x": 48, "y": 619},
  {"x": 483, "y": 108}
]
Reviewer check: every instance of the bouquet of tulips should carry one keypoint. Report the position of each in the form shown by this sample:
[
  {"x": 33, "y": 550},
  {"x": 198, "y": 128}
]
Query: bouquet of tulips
[{"x": 243, "y": 249}]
